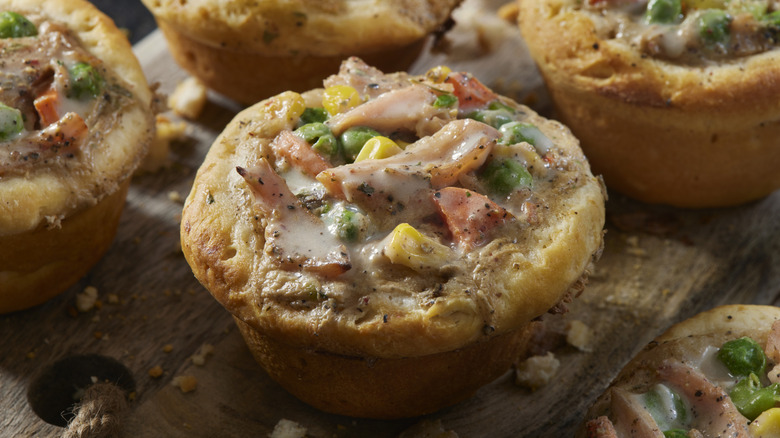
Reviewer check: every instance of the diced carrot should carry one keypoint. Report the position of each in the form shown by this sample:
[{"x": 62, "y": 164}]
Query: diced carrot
[
  {"x": 299, "y": 153},
  {"x": 470, "y": 216},
  {"x": 471, "y": 93},
  {"x": 47, "y": 105}
]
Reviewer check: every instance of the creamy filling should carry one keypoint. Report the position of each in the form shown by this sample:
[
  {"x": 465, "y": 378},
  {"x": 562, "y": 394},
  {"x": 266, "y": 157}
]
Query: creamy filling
[{"x": 701, "y": 32}]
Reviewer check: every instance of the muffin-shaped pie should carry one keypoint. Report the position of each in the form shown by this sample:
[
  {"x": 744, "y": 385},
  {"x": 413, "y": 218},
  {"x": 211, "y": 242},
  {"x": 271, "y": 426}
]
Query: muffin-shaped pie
[
  {"x": 714, "y": 375},
  {"x": 75, "y": 121},
  {"x": 384, "y": 242},
  {"x": 249, "y": 51},
  {"x": 674, "y": 102}
]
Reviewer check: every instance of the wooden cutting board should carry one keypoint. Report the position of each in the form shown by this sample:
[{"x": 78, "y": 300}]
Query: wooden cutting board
[{"x": 660, "y": 265}]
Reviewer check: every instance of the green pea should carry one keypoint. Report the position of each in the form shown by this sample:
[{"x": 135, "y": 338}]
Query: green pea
[
  {"x": 353, "y": 139},
  {"x": 493, "y": 117},
  {"x": 498, "y": 105},
  {"x": 347, "y": 226},
  {"x": 518, "y": 132},
  {"x": 11, "y": 122},
  {"x": 321, "y": 139},
  {"x": 445, "y": 101},
  {"x": 503, "y": 176},
  {"x": 743, "y": 356},
  {"x": 13, "y": 25},
  {"x": 314, "y": 115},
  {"x": 676, "y": 433},
  {"x": 713, "y": 26},
  {"x": 751, "y": 399},
  {"x": 85, "y": 81},
  {"x": 663, "y": 11}
]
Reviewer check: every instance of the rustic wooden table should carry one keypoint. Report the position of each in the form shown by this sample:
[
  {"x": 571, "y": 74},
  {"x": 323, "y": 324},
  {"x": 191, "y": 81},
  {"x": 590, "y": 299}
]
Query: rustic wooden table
[{"x": 660, "y": 265}]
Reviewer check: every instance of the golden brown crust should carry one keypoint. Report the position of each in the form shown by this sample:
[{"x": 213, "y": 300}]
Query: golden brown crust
[
  {"x": 303, "y": 27},
  {"x": 381, "y": 338},
  {"x": 691, "y": 136},
  {"x": 65, "y": 217},
  {"x": 384, "y": 388},
  {"x": 249, "y": 51},
  {"x": 39, "y": 264},
  {"x": 225, "y": 71}
]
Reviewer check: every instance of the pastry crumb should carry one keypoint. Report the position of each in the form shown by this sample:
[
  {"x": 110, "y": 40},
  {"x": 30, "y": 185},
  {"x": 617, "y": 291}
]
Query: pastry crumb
[
  {"x": 155, "y": 371},
  {"x": 167, "y": 348},
  {"x": 86, "y": 300},
  {"x": 537, "y": 371},
  {"x": 185, "y": 383},
  {"x": 175, "y": 196},
  {"x": 288, "y": 429},
  {"x": 199, "y": 358},
  {"x": 580, "y": 336},
  {"x": 189, "y": 98}
]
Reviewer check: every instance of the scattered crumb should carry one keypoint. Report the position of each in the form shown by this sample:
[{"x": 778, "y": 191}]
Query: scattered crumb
[
  {"x": 288, "y": 429},
  {"x": 537, "y": 371},
  {"x": 85, "y": 300},
  {"x": 199, "y": 358},
  {"x": 97, "y": 334},
  {"x": 31, "y": 355},
  {"x": 579, "y": 336},
  {"x": 185, "y": 383},
  {"x": 188, "y": 99},
  {"x": 175, "y": 196},
  {"x": 112, "y": 298},
  {"x": 167, "y": 348},
  {"x": 132, "y": 396},
  {"x": 155, "y": 372}
]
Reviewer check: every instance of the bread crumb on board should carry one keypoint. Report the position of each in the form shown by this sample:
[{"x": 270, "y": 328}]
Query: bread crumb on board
[
  {"x": 579, "y": 336},
  {"x": 188, "y": 98},
  {"x": 185, "y": 383},
  {"x": 288, "y": 429},
  {"x": 537, "y": 371},
  {"x": 85, "y": 301},
  {"x": 155, "y": 371},
  {"x": 199, "y": 358}
]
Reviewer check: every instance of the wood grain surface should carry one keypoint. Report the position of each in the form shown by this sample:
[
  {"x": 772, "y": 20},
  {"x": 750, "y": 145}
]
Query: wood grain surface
[{"x": 659, "y": 266}]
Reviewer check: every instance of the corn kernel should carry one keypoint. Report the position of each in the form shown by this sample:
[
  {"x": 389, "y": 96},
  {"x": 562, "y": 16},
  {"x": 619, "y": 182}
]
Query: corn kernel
[
  {"x": 438, "y": 74},
  {"x": 288, "y": 105},
  {"x": 340, "y": 98},
  {"x": 767, "y": 424},
  {"x": 407, "y": 246},
  {"x": 378, "y": 147}
]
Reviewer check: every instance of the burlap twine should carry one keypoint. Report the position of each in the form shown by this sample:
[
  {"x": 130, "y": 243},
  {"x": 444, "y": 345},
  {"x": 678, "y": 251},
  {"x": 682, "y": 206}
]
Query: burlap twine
[{"x": 99, "y": 413}]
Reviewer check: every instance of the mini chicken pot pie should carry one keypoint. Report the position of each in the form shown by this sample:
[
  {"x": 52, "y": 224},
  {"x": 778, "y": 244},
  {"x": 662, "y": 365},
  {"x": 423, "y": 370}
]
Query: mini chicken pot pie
[
  {"x": 75, "y": 121},
  {"x": 249, "y": 51},
  {"x": 384, "y": 242},
  {"x": 715, "y": 374},
  {"x": 674, "y": 102}
]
